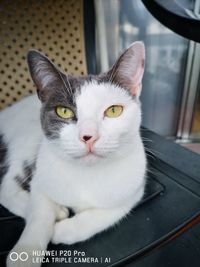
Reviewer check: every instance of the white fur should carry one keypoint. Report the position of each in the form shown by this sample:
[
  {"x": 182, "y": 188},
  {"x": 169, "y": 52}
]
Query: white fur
[
  {"x": 101, "y": 188},
  {"x": 21, "y": 129}
]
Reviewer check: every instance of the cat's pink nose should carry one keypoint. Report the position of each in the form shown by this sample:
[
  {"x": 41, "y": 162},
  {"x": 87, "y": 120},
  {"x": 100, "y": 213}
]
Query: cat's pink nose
[
  {"x": 89, "y": 140},
  {"x": 85, "y": 138}
]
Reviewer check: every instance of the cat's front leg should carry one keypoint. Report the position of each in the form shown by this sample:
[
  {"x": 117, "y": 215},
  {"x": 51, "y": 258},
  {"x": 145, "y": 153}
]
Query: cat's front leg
[
  {"x": 87, "y": 223},
  {"x": 41, "y": 216}
]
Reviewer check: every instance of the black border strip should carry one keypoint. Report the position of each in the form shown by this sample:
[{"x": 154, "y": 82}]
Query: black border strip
[{"x": 89, "y": 32}]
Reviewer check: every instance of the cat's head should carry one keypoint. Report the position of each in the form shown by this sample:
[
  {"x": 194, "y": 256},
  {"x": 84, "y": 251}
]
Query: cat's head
[{"x": 89, "y": 118}]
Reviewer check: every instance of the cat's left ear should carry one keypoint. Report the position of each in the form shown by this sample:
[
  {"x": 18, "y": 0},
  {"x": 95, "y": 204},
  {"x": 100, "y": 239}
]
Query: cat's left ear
[
  {"x": 44, "y": 73},
  {"x": 128, "y": 70}
]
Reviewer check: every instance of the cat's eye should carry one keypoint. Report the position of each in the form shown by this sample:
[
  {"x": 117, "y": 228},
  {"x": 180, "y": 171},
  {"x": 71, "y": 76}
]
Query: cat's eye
[
  {"x": 65, "y": 113},
  {"x": 114, "y": 111}
]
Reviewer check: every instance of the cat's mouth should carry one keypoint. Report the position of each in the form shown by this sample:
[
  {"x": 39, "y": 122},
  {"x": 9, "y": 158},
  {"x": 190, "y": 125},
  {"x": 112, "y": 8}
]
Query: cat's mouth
[
  {"x": 90, "y": 156},
  {"x": 92, "y": 153}
]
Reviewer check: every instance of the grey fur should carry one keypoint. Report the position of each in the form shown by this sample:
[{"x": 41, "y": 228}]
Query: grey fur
[
  {"x": 3, "y": 158},
  {"x": 61, "y": 96},
  {"x": 28, "y": 172}
]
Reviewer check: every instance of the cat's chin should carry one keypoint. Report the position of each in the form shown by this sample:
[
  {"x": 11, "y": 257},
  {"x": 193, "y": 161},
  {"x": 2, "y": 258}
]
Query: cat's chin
[{"x": 90, "y": 158}]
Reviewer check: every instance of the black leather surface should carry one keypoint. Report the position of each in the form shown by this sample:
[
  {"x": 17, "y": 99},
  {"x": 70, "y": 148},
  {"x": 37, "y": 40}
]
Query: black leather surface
[{"x": 184, "y": 251}]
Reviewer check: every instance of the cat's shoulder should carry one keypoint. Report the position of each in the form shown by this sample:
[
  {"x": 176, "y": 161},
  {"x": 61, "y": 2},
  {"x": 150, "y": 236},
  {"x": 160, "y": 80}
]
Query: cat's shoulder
[
  {"x": 24, "y": 105},
  {"x": 21, "y": 115},
  {"x": 27, "y": 106}
]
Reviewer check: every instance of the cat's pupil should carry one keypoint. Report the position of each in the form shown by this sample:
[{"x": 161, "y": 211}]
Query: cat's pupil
[{"x": 113, "y": 110}]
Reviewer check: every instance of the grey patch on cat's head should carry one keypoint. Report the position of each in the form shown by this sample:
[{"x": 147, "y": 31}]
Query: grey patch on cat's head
[
  {"x": 3, "y": 158},
  {"x": 54, "y": 89},
  {"x": 46, "y": 76},
  {"x": 63, "y": 95},
  {"x": 25, "y": 179}
]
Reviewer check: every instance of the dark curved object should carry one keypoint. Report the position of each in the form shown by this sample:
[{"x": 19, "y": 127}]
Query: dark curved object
[
  {"x": 175, "y": 17},
  {"x": 89, "y": 32}
]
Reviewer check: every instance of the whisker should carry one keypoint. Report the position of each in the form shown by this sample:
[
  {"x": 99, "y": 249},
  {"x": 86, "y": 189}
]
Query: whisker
[
  {"x": 69, "y": 88},
  {"x": 113, "y": 73},
  {"x": 146, "y": 139}
]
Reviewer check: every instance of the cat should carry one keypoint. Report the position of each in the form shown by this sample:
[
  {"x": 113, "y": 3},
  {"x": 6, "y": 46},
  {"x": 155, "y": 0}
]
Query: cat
[{"x": 75, "y": 144}]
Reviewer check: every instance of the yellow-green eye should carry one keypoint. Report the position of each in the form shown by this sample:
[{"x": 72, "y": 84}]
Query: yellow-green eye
[
  {"x": 114, "y": 111},
  {"x": 65, "y": 113}
]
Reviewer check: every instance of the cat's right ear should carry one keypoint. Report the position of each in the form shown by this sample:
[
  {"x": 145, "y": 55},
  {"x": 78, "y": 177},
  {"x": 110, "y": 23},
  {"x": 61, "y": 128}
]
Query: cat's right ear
[
  {"x": 44, "y": 74},
  {"x": 128, "y": 70}
]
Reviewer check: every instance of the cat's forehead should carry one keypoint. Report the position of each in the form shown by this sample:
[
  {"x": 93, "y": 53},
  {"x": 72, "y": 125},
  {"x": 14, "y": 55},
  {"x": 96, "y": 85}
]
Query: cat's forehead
[{"x": 93, "y": 94}]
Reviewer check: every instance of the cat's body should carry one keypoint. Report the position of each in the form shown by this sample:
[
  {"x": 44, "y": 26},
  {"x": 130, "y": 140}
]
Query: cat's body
[
  {"x": 88, "y": 156},
  {"x": 21, "y": 135}
]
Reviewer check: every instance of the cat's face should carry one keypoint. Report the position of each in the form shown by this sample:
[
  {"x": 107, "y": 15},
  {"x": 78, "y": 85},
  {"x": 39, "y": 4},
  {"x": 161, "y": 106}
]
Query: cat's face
[{"x": 94, "y": 117}]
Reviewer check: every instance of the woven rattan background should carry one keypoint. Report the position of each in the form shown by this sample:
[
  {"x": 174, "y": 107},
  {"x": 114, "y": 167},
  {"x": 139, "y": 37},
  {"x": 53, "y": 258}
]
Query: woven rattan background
[{"x": 54, "y": 27}]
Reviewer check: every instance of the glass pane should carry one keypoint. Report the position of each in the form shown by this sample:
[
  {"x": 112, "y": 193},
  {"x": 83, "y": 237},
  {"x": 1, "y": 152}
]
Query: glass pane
[
  {"x": 166, "y": 55},
  {"x": 195, "y": 131}
]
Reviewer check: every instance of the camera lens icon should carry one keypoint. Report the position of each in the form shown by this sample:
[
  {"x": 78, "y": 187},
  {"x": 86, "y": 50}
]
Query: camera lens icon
[{"x": 14, "y": 256}]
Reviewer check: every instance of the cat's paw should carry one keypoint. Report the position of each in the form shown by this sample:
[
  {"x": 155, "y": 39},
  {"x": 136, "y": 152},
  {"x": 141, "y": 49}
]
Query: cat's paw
[
  {"x": 65, "y": 232},
  {"x": 22, "y": 256},
  {"x": 62, "y": 213}
]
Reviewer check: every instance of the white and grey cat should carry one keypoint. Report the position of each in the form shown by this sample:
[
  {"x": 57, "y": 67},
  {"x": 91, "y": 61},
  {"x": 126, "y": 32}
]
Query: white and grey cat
[{"x": 79, "y": 147}]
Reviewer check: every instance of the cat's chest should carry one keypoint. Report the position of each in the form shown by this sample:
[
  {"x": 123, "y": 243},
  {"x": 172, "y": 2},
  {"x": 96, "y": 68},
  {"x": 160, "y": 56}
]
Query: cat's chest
[{"x": 84, "y": 188}]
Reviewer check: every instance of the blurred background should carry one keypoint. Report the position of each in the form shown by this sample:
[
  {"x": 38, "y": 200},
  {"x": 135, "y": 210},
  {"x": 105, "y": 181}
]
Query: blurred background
[{"x": 171, "y": 88}]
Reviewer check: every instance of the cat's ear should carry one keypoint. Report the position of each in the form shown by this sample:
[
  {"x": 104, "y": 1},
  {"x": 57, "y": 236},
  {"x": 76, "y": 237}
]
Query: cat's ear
[
  {"x": 128, "y": 70},
  {"x": 44, "y": 73}
]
